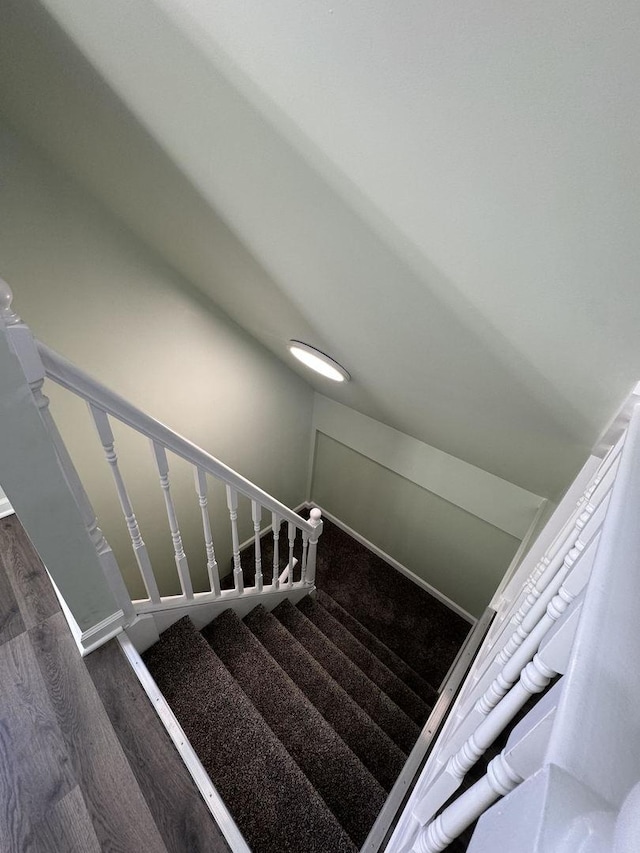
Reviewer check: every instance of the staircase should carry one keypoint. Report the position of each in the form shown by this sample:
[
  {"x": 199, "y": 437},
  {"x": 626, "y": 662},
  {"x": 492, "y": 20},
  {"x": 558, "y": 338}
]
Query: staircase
[
  {"x": 302, "y": 726},
  {"x": 303, "y": 704}
]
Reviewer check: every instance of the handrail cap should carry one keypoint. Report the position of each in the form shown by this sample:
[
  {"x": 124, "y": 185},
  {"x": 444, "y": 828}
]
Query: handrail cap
[{"x": 6, "y": 298}]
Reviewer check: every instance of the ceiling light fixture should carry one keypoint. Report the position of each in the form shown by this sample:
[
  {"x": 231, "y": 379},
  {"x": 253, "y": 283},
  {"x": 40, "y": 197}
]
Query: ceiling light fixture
[{"x": 318, "y": 361}]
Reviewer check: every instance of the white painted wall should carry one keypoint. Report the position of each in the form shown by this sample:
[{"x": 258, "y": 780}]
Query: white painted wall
[
  {"x": 91, "y": 290},
  {"x": 502, "y": 504},
  {"x": 458, "y": 554},
  {"x": 455, "y": 526},
  {"x": 444, "y": 198}
]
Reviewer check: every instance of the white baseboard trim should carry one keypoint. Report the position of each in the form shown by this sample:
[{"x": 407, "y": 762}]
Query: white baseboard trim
[
  {"x": 101, "y": 633},
  {"x": 90, "y": 640},
  {"x": 394, "y": 564},
  {"x": 210, "y": 795},
  {"x": 5, "y": 508}
]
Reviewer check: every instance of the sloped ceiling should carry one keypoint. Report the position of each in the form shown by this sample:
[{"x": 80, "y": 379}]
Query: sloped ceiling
[{"x": 444, "y": 197}]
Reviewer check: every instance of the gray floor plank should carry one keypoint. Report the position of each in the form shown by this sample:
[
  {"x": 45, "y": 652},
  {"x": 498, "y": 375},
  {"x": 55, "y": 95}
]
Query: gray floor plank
[
  {"x": 26, "y": 574},
  {"x": 67, "y": 828},
  {"x": 119, "y": 813},
  {"x": 173, "y": 799},
  {"x": 35, "y": 770},
  {"x": 11, "y": 622}
]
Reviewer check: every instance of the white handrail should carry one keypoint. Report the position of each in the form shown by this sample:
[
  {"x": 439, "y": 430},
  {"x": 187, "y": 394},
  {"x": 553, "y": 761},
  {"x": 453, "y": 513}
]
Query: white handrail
[{"x": 76, "y": 380}]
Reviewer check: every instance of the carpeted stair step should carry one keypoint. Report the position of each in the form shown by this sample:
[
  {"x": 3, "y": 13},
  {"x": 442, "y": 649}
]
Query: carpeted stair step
[
  {"x": 373, "y": 747},
  {"x": 391, "y": 719},
  {"x": 421, "y": 630},
  {"x": 380, "y": 674},
  {"x": 344, "y": 783},
  {"x": 275, "y": 806},
  {"x": 411, "y": 678}
]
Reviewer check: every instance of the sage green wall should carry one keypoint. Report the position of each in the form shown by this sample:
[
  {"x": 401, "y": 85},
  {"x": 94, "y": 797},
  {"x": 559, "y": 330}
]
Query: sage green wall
[
  {"x": 94, "y": 292},
  {"x": 457, "y": 553}
]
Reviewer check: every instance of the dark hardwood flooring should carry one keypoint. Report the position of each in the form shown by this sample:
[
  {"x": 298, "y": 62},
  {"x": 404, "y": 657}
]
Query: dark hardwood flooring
[{"x": 85, "y": 764}]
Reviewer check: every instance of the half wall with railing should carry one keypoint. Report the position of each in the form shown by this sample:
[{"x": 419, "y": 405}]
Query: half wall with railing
[
  {"x": 289, "y": 531},
  {"x": 563, "y": 647}
]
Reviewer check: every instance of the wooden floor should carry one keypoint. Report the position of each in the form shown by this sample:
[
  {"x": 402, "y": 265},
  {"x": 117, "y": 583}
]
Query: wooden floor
[{"x": 85, "y": 764}]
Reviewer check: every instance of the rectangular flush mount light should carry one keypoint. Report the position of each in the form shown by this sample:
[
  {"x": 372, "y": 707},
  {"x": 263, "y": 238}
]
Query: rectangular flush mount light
[{"x": 318, "y": 361}]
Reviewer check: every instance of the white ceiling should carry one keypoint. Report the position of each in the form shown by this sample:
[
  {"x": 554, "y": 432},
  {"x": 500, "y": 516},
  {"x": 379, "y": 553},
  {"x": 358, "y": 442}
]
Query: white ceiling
[{"x": 443, "y": 196}]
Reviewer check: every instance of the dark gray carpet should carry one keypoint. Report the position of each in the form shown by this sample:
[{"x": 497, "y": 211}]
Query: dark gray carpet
[
  {"x": 340, "y": 778},
  {"x": 303, "y": 717},
  {"x": 391, "y": 719},
  {"x": 421, "y": 630},
  {"x": 382, "y": 652},
  {"x": 387, "y": 681},
  {"x": 247, "y": 763},
  {"x": 418, "y": 628},
  {"x": 373, "y": 747}
]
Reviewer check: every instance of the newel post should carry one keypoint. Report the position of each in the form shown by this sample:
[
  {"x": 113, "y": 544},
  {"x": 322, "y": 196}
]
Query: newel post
[
  {"x": 315, "y": 519},
  {"x": 45, "y": 489}
]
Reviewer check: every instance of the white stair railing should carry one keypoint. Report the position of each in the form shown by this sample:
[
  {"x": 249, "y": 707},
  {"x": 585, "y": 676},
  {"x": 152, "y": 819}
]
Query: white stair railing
[
  {"x": 520, "y": 758},
  {"x": 103, "y": 426},
  {"x": 212, "y": 564},
  {"x": 583, "y": 792},
  {"x": 532, "y": 642},
  {"x": 39, "y": 362}
]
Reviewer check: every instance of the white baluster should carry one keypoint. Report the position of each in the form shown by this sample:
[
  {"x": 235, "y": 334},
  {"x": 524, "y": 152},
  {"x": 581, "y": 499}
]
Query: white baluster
[
  {"x": 275, "y": 526},
  {"x": 181, "y": 558},
  {"x": 232, "y": 503},
  {"x": 256, "y": 515},
  {"x": 550, "y": 660},
  {"x": 571, "y": 587},
  {"x": 546, "y": 576},
  {"x": 22, "y": 342},
  {"x": 212, "y": 565},
  {"x": 521, "y": 758},
  {"x": 532, "y": 609},
  {"x": 501, "y": 778},
  {"x": 548, "y": 587},
  {"x": 315, "y": 518},
  {"x": 305, "y": 548},
  {"x": 599, "y": 487},
  {"x": 292, "y": 537},
  {"x": 493, "y": 667},
  {"x": 533, "y": 679},
  {"x": 139, "y": 548}
]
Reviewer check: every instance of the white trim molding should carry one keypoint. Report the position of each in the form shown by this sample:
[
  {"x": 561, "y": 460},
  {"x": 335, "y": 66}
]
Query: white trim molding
[
  {"x": 492, "y": 499},
  {"x": 96, "y": 636},
  {"x": 210, "y": 795},
  {"x": 101, "y": 633}
]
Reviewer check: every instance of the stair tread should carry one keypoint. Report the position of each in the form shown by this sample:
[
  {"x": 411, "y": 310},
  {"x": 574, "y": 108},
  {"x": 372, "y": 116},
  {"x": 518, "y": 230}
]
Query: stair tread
[
  {"x": 372, "y": 666},
  {"x": 396, "y": 664},
  {"x": 373, "y": 747},
  {"x": 419, "y": 628},
  {"x": 391, "y": 719},
  {"x": 274, "y": 804},
  {"x": 338, "y": 775}
]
